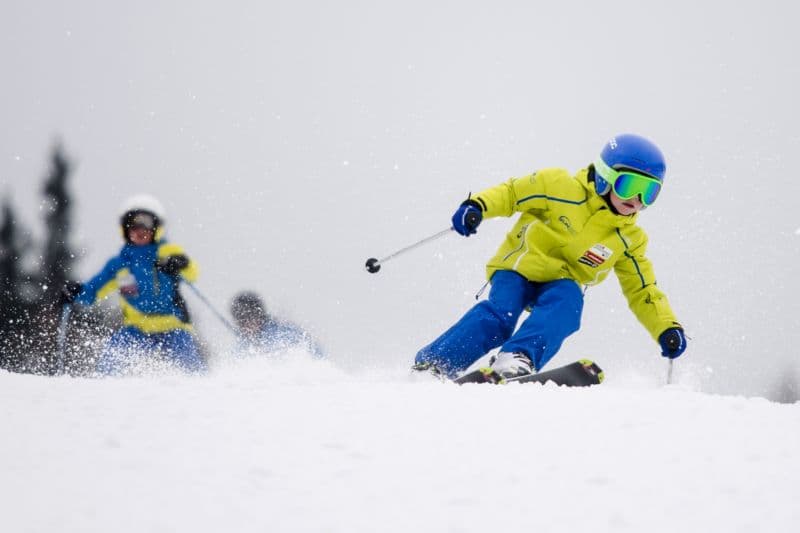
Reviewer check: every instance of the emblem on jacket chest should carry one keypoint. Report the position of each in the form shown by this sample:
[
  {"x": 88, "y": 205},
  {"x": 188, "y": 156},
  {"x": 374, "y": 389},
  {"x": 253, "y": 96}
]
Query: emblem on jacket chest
[{"x": 596, "y": 255}]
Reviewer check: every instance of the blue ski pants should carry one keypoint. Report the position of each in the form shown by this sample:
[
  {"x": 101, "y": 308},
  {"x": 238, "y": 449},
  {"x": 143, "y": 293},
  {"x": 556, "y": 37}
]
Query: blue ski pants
[
  {"x": 555, "y": 306},
  {"x": 129, "y": 346}
]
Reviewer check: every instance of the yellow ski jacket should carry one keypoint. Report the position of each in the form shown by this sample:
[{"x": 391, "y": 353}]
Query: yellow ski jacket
[{"x": 567, "y": 231}]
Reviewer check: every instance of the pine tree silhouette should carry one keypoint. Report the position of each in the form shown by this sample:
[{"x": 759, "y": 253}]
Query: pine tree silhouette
[
  {"x": 14, "y": 243},
  {"x": 57, "y": 256}
]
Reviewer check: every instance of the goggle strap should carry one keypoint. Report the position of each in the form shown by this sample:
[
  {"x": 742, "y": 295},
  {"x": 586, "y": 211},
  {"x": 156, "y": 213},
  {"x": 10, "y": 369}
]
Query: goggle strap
[{"x": 605, "y": 171}]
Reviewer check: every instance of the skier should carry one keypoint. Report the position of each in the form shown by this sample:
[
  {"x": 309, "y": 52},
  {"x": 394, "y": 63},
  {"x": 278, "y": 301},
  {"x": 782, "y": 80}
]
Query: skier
[
  {"x": 261, "y": 333},
  {"x": 146, "y": 272},
  {"x": 572, "y": 231}
]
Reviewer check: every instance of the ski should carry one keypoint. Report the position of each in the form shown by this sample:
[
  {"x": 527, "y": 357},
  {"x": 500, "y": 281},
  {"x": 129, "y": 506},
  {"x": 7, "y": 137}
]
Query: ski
[{"x": 581, "y": 373}]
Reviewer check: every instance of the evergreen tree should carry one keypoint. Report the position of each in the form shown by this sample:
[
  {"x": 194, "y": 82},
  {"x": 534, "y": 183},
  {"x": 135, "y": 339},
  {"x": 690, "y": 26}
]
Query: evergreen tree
[
  {"x": 55, "y": 267},
  {"x": 13, "y": 306},
  {"x": 57, "y": 257},
  {"x": 9, "y": 261},
  {"x": 29, "y": 301}
]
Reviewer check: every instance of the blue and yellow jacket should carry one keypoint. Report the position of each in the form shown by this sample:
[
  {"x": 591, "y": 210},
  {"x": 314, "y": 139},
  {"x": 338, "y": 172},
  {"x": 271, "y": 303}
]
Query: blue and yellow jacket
[
  {"x": 567, "y": 231},
  {"x": 149, "y": 298}
]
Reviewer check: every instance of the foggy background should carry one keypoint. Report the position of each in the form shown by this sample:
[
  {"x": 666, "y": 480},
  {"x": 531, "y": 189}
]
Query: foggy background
[{"x": 290, "y": 141}]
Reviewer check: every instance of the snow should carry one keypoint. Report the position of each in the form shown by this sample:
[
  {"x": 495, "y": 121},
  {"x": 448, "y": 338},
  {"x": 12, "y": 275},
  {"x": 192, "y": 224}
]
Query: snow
[{"x": 299, "y": 445}]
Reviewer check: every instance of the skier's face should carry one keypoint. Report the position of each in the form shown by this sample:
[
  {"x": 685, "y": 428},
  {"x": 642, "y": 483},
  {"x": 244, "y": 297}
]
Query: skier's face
[
  {"x": 626, "y": 207},
  {"x": 140, "y": 236}
]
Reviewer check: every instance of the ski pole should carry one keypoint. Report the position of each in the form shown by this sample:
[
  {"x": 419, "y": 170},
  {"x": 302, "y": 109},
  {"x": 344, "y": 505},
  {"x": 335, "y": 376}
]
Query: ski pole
[
  {"x": 669, "y": 372},
  {"x": 61, "y": 337},
  {"x": 213, "y": 309},
  {"x": 373, "y": 264}
]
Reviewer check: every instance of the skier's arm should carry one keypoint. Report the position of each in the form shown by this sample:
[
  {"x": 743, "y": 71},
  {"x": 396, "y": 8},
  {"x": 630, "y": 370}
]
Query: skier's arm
[
  {"x": 645, "y": 299},
  {"x": 519, "y": 194},
  {"x": 102, "y": 284}
]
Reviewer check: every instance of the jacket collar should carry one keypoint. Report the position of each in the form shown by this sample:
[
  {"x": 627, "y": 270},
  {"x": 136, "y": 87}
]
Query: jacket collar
[{"x": 132, "y": 252}]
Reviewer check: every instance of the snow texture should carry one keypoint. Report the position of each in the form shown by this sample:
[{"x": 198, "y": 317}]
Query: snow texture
[{"x": 300, "y": 445}]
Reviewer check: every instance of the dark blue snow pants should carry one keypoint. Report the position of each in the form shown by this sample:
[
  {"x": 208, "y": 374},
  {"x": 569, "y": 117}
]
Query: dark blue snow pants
[{"x": 556, "y": 308}]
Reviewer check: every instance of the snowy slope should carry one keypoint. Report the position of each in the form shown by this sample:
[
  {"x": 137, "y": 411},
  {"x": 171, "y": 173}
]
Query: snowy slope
[{"x": 320, "y": 449}]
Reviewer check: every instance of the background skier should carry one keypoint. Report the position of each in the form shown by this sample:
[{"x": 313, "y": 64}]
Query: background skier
[
  {"x": 572, "y": 231},
  {"x": 260, "y": 332},
  {"x": 146, "y": 273}
]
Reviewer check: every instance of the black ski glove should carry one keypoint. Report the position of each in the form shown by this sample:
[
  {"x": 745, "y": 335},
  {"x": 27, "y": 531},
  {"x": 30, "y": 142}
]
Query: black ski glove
[
  {"x": 70, "y": 291},
  {"x": 172, "y": 264}
]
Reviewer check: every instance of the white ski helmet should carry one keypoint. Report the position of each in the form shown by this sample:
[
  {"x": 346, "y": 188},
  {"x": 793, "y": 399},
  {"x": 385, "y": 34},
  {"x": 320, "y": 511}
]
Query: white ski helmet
[{"x": 142, "y": 209}]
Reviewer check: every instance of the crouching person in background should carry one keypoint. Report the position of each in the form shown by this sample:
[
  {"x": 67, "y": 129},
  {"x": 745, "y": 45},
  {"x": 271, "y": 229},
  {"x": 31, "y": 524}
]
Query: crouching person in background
[
  {"x": 146, "y": 273},
  {"x": 260, "y": 332}
]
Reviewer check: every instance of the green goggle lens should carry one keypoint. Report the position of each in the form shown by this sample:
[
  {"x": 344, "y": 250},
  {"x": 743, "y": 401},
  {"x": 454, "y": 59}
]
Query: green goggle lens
[{"x": 627, "y": 185}]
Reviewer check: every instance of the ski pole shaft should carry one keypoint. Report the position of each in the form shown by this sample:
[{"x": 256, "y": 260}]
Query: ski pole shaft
[
  {"x": 213, "y": 309},
  {"x": 61, "y": 337},
  {"x": 669, "y": 372},
  {"x": 373, "y": 264}
]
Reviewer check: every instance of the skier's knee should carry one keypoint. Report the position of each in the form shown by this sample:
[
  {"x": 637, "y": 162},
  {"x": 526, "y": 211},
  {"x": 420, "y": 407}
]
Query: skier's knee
[{"x": 505, "y": 319}]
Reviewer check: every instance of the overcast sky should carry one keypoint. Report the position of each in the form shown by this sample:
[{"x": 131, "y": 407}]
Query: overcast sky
[{"x": 290, "y": 141}]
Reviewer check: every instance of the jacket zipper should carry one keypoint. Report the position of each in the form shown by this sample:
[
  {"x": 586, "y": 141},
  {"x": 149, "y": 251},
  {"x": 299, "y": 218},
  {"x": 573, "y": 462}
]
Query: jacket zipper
[
  {"x": 522, "y": 246},
  {"x": 156, "y": 283}
]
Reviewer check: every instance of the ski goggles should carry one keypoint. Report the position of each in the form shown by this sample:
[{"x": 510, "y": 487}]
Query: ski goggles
[
  {"x": 629, "y": 183},
  {"x": 142, "y": 220}
]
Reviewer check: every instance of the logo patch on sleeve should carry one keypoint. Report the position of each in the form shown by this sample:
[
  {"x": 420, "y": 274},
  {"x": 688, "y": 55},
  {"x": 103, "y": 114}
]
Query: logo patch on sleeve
[{"x": 596, "y": 255}]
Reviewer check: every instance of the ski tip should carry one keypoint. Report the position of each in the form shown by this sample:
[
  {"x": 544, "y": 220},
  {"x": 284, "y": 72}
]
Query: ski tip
[{"x": 592, "y": 369}]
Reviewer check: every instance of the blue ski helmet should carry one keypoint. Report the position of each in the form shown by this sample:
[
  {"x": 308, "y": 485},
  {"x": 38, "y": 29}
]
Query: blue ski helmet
[{"x": 632, "y": 152}]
